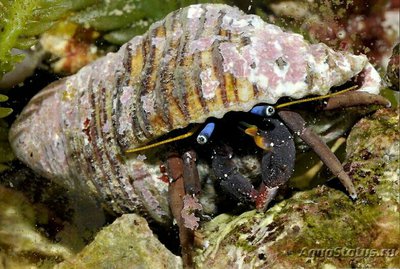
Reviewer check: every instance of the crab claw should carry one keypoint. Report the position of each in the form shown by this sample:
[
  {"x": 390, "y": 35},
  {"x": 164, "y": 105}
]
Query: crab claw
[
  {"x": 297, "y": 124},
  {"x": 265, "y": 196},
  {"x": 231, "y": 180},
  {"x": 277, "y": 164}
]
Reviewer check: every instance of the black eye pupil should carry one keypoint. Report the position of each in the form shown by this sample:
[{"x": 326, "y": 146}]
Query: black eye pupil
[{"x": 270, "y": 111}]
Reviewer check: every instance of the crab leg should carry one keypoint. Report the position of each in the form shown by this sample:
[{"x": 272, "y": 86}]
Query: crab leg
[
  {"x": 355, "y": 98},
  {"x": 176, "y": 192},
  {"x": 190, "y": 173},
  {"x": 297, "y": 124}
]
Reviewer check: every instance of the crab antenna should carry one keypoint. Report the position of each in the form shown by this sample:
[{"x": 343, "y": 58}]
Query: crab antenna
[
  {"x": 316, "y": 98},
  {"x": 206, "y": 133},
  {"x": 166, "y": 141},
  {"x": 244, "y": 125}
]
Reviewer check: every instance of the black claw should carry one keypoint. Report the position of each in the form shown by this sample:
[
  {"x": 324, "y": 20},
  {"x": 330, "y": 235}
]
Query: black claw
[
  {"x": 230, "y": 179},
  {"x": 278, "y": 164}
]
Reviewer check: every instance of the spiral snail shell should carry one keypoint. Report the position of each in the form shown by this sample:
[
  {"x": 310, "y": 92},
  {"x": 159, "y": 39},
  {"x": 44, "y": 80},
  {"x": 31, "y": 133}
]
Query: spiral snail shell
[{"x": 198, "y": 62}]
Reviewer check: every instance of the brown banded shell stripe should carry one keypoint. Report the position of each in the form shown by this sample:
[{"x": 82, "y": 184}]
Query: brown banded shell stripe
[
  {"x": 186, "y": 73},
  {"x": 163, "y": 84},
  {"x": 170, "y": 93},
  {"x": 229, "y": 80},
  {"x": 96, "y": 152},
  {"x": 255, "y": 90},
  {"x": 126, "y": 118},
  {"x": 212, "y": 90},
  {"x": 177, "y": 93},
  {"x": 200, "y": 62},
  {"x": 146, "y": 84},
  {"x": 147, "y": 103},
  {"x": 80, "y": 164},
  {"x": 138, "y": 62},
  {"x": 105, "y": 164},
  {"x": 111, "y": 137},
  {"x": 217, "y": 62},
  {"x": 243, "y": 87},
  {"x": 83, "y": 154},
  {"x": 123, "y": 80},
  {"x": 109, "y": 158},
  {"x": 173, "y": 89}
]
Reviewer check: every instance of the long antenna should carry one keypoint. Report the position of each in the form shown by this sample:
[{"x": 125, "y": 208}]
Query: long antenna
[
  {"x": 166, "y": 141},
  {"x": 315, "y": 98}
]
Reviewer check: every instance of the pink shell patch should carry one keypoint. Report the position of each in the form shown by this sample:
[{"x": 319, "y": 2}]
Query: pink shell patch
[{"x": 208, "y": 85}]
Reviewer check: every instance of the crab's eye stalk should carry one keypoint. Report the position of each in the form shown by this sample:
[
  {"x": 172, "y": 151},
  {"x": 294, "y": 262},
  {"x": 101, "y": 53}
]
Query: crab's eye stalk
[
  {"x": 206, "y": 133},
  {"x": 264, "y": 111},
  {"x": 269, "y": 111}
]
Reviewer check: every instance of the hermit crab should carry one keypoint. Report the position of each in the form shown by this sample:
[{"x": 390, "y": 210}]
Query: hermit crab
[{"x": 193, "y": 69}]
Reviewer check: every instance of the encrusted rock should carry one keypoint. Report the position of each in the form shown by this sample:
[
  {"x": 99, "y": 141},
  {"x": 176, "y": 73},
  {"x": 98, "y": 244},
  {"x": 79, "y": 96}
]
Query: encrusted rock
[
  {"x": 127, "y": 243},
  {"x": 22, "y": 244},
  {"x": 393, "y": 69}
]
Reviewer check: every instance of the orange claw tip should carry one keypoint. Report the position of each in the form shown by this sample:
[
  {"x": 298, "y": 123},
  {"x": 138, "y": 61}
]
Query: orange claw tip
[
  {"x": 261, "y": 143},
  {"x": 251, "y": 131}
]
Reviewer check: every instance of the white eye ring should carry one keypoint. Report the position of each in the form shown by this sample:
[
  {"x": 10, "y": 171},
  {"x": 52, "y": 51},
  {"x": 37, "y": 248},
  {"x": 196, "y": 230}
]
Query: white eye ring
[
  {"x": 206, "y": 133},
  {"x": 201, "y": 139},
  {"x": 269, "y": 111}
]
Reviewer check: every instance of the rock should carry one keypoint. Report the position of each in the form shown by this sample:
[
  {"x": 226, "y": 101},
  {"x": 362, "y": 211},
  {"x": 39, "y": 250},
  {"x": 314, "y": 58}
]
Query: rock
[
  {"x": 322, "y": 227},
  {"x": 22, "y": 244},
  {"x": 126, "y": 243},
  {"x": 393, "y": 69}
]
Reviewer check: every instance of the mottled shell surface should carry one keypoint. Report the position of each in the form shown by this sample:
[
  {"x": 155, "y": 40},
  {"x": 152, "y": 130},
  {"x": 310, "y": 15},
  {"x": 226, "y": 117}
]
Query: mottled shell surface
[{"x": 198, "y": 62}]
